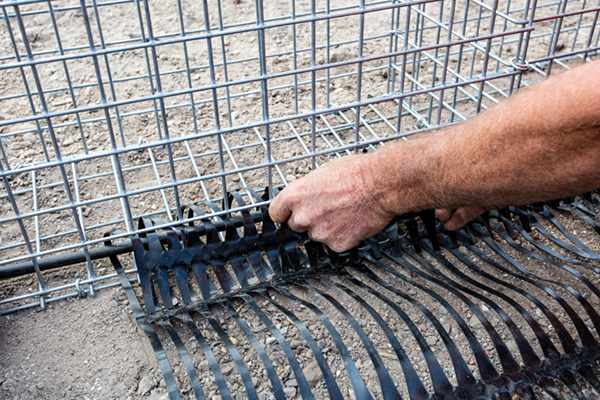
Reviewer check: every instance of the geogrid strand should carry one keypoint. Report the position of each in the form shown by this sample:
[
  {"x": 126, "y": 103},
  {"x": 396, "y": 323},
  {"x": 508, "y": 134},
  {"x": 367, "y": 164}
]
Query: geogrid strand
[{"x": 254, "y": 260}]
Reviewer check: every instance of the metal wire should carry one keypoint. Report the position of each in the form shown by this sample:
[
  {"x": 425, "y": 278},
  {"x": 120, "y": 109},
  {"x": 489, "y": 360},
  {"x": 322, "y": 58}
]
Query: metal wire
[{"x": 115, "y": 110}]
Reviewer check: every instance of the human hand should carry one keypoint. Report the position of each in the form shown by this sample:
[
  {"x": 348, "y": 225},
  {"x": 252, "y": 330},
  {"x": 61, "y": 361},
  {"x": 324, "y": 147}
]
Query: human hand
[
  {"x": 456, "y": 219},
  {"x": 337, "y": 204}
]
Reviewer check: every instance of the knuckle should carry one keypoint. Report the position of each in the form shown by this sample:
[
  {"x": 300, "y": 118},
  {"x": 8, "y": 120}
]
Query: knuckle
[
  {"x": 299, "y": 222},
  {"x": 337, "y": 247},
  {"x": 302, "y": 220},
  {"x": 319, "y": 236}
]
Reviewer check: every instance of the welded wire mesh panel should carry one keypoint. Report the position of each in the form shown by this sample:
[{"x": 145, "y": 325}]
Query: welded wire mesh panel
[
  {"x": 115, "y": 110},
  {"x": 566, "y": 34},
  {"x": 148, "y": 127},
  {"x": 456, "y": 59}
]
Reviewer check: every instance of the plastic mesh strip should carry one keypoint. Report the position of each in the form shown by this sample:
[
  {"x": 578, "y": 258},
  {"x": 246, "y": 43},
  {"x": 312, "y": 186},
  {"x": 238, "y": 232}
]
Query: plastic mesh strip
[{"x": 517, "y": 284}]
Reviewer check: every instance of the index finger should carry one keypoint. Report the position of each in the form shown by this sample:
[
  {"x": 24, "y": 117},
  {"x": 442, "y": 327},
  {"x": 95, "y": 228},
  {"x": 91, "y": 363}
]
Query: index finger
[{"x": 279, "y": 209}]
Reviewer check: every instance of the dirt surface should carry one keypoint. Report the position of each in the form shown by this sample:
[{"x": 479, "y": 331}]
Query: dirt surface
[
  {"x": 92, "y": 348},
  {"x": 76, "y": 349}
]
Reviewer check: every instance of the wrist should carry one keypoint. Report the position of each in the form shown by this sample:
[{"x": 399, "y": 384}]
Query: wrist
[{"x": 399, "y": 177}]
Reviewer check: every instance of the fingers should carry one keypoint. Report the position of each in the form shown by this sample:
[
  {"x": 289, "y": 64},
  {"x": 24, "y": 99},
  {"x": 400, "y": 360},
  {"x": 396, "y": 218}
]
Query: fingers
[
  {"x": 461, "y": 216},
  {"x": 279, "y": 209},
  {"x": 443, "y": 214},
  {"x": 336, "y": 242},
  {"x": 298, "y": 222},
  {"x": 323, "y": 202}
]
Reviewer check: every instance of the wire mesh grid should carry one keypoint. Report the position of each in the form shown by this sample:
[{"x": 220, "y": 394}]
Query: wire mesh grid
[{"x": 115, "y": 110}]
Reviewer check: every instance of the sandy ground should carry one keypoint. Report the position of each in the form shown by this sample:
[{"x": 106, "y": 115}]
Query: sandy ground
[
  {"x": 83, "y": 348},
  {"x": 92, "y": 347}
]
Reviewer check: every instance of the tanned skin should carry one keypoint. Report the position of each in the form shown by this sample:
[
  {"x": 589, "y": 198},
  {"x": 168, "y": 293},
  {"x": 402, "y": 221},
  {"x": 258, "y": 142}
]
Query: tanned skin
[{"x": 541, "y": 144}]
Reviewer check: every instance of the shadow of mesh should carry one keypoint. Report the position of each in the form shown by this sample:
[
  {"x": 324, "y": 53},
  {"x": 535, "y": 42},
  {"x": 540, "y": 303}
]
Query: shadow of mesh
[{"x": 501, "y": 309}]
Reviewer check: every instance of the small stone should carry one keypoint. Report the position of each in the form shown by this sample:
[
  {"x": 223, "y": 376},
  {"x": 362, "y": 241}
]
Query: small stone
[
  {"x": 290, "y": 391},
  {"x": 423, "y": 328},
  {"x": 484, "y": 308},
  {"x": 270, "y": 340},
  {"x": 287, "y": 155},
  {"x": 474, "y": 322},
  {"x": 30, "y": 137},
  {"x": 312, "y": 373},
  {"x": 291, "y": 382},
  {"x": 203, "y": 366},
  {"x": 158, "y": 394},
  {"x": 145, "y": 386},
  {"x": 284, "y": 330},
  {"x": 321, "y": 344},
  {"x": 442, "y": 310},
  {"x": 463, "y": 250},
  {"x": 20, "y": 145},
  {"x": 447, "y": 328},
  {"x": 290, "y": 178},
  {"x": 294, "y": 344},
  {"x": 227, "y": 369},
  {"x": 432, "y": 340}
]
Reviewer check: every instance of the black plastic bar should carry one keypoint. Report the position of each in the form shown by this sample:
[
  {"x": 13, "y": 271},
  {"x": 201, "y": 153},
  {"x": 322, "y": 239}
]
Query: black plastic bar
[{"x": 96, "y": 253}]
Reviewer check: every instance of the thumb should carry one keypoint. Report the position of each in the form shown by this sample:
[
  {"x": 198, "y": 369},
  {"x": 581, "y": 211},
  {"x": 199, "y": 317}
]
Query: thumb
[
  {"x": 461, "y": 216},
  {"x": 443, "y": 214}
]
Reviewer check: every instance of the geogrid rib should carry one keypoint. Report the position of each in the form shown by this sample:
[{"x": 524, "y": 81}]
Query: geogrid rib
[{"x": 186, "y": 276}]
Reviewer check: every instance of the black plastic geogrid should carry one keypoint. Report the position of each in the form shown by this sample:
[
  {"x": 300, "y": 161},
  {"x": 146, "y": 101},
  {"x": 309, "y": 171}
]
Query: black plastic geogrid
[{"x": 277, "y": 259}]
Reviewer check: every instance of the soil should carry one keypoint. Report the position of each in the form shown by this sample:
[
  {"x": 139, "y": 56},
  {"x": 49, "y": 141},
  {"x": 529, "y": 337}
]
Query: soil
[{"x": 92, "y": 347}]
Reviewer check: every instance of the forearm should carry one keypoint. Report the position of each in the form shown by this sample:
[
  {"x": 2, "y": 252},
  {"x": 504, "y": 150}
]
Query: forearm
[{"x": 543, "y": 143}]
